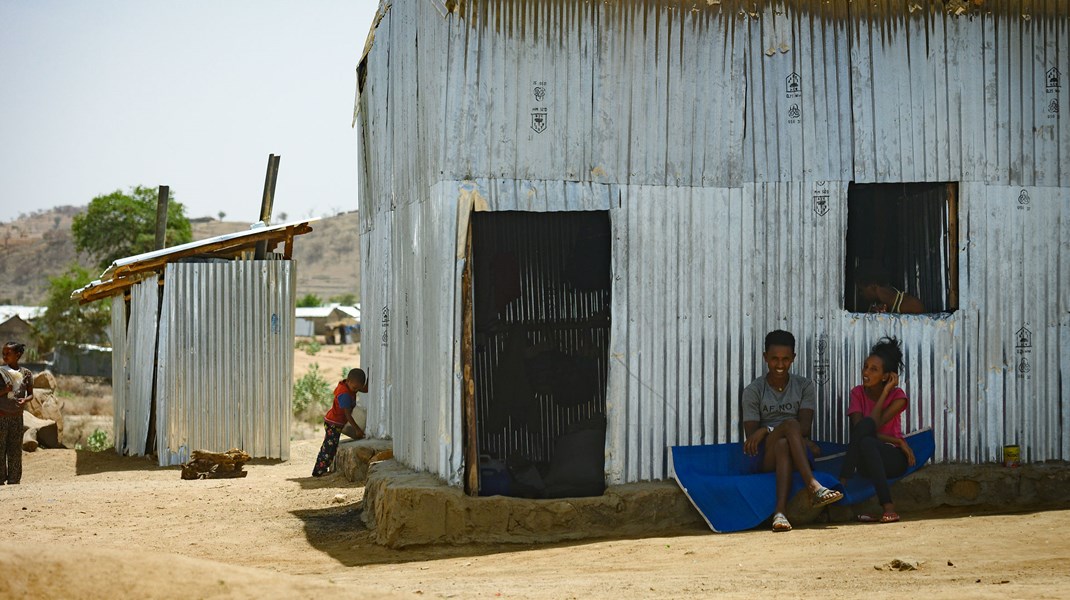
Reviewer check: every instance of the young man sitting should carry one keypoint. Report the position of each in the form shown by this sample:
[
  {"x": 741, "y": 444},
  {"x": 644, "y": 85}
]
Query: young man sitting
[{"x": 778, "y": 409}]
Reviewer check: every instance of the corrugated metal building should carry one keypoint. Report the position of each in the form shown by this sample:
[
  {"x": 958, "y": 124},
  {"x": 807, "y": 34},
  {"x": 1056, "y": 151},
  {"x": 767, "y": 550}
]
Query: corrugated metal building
[
  {"x": 202, "y": 338},
  {"x": 715, "y": 148}
]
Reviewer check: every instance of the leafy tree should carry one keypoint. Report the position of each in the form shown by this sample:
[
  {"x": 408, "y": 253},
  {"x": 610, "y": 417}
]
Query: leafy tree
[
  {"x": 309, "y": 301},
  {"x": 119, "y": 225},
  {"x": 282, "y": 217},
  {"x": 65, "y": 320},
  {"x": 345, "y": 299},
  {"x": 222, "y": 215}
]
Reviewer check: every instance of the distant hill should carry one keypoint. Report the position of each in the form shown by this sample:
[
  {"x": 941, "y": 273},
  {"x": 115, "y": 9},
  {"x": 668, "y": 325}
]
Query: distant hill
[{"x": 39, "y": 246}]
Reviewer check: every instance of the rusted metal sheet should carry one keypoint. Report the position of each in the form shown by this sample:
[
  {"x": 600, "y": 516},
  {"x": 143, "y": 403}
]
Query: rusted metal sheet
[
  {"x": 728, "y": 207},
  {"x": 225, "y": 367}
]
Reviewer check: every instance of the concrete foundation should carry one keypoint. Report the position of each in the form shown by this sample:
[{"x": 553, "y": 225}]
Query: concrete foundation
[{"x": 407, "y": 508}]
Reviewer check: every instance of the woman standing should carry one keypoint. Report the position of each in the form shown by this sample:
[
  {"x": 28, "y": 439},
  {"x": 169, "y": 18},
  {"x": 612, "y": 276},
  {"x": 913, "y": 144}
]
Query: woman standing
[
  {"x": 17, "y": 390},
  {"x": 877, "y": 448}
]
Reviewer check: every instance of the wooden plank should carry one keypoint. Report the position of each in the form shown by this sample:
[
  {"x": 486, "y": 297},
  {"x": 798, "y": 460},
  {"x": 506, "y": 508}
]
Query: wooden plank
[
  {"x": 468, "y": 386},
  {"x": 953, "y": 242}
]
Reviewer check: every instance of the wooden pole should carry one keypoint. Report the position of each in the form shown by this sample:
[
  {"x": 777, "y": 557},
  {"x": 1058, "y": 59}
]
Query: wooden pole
[
  {"x": 161, "y": 217},
  {"x": 953, "y": 250},
  {"x": 268, "y": 199},
  {"x": 468, "y": 384}
]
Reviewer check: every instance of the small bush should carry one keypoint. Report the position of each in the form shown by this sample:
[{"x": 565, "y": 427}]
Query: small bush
[
  {"x": 311, "y": 347},
  {"x": 311, "y": 392},
  {"x": 98, "y": 441}
]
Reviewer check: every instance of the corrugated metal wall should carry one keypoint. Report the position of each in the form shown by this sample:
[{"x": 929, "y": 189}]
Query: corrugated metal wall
[
  {"x": 225, "y": 367},
  {"x": 118, "y": 371},
  {"x": 723, "y": 143},
  {"x": 132, "y": 340}
]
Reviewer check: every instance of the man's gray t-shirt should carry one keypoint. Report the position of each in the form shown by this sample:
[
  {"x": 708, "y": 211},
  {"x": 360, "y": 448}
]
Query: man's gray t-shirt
[{"x": 762, "y": 403}]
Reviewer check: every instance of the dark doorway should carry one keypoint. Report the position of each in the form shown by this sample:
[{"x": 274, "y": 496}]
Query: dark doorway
[{"x": 541, "y": 290}]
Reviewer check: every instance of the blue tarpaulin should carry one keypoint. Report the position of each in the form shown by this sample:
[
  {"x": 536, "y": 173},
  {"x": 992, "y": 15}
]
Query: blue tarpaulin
[{"x": 724, "y": 485}]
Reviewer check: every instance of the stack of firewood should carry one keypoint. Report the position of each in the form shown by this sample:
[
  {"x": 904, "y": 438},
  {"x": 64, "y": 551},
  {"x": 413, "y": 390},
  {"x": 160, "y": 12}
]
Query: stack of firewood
[{"x": 215, "y": 465}]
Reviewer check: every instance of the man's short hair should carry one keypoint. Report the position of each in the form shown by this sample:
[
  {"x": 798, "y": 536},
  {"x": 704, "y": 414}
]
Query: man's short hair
[
  {"x": 779, "y": 337},
  {"x": 357, "y": 375}
]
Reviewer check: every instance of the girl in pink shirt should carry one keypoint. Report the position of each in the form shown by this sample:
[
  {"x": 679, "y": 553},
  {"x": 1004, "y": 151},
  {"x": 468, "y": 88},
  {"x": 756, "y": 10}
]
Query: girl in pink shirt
[{"x": 877, "y": 449}]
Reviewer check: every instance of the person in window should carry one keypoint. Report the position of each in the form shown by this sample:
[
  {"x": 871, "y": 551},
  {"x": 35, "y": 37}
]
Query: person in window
[
  {"x": 872, "y": 281},
  {"x": 778, "y": 409},
  {"x": 877, "y": 449},
  {"x": 340, "y": 415}
]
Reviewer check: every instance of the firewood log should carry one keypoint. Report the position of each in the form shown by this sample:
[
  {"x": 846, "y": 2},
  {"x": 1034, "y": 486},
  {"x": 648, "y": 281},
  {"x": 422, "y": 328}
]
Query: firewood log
[{"x": 215, "y": 465}]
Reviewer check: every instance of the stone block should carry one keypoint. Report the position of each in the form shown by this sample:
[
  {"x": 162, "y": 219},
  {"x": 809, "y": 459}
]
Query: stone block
[
  {"x": 963, "y": 489},
  {"x": 406, "y": 508},
  {"x": 354, "y": 457}
]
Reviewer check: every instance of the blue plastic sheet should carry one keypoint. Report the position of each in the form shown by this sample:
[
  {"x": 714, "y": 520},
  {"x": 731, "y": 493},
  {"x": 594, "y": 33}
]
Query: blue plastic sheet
[{"x": 725, "y": 486}]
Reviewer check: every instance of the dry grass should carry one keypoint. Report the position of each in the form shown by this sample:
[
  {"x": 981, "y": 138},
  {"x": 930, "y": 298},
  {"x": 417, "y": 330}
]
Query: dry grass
[{"x": 90, "y": 396}]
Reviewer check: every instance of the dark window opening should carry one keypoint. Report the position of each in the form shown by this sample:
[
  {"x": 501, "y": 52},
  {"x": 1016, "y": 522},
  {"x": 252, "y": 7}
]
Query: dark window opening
[
  {"x": 902, "y": 248},
  {"x": 541, "y": 289}
]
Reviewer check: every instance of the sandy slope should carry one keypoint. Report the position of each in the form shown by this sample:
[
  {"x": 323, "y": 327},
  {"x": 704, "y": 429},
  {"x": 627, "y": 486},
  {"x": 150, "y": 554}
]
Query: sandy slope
[{"x": 98, "y": 525}]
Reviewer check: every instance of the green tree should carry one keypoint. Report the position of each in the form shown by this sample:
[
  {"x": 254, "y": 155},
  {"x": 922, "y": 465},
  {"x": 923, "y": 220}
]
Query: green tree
[
  {"x": 65, "y": 320},
  {"x": 345, "y": 299},
  {"x": 309, "y": 301},
  {"x": 117, "y": 225}
]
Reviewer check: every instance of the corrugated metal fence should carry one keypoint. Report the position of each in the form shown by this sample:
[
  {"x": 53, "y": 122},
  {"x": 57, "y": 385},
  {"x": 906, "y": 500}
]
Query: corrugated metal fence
[{"x": 225, "y": 365}]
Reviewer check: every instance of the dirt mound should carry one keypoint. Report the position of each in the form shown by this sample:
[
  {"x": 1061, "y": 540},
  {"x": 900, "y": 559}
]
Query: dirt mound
[{"x": 87, "y": 572}]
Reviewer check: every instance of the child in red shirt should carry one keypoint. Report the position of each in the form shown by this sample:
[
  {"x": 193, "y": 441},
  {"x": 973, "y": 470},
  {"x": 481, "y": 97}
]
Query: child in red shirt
[{"x": 340, "y": 413}]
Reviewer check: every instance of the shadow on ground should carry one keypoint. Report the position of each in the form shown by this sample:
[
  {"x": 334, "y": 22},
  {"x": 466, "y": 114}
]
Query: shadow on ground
[
  {"x": 333, "y": 480},
  {"x": 88, "y": 462},
  {"x": 340, "y": 532}
]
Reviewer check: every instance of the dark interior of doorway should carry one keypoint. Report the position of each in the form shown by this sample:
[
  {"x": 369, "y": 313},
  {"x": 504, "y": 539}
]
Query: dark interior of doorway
[{"x": 541, "y": 290}]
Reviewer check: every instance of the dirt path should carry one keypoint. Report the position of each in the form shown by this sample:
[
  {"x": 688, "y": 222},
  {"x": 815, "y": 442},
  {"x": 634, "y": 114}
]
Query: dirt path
[{"x": 98, "y": 525}]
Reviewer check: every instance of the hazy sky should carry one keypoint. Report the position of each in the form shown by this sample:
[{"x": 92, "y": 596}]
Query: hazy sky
[{"x": 107, "y": 94}]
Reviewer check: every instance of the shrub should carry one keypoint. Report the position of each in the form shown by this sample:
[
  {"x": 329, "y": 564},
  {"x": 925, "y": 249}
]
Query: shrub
[
  {"x": 311, "y": 347},
  {"x": 311, "y": 391},
  {"x": 98, "y": 441}
]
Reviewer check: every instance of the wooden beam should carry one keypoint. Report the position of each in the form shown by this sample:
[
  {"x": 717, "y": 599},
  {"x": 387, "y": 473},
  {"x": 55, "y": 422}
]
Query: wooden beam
[
  {"x": 268, "y": 200},
  {"x": 162, "y": 202},
  {"x": 468, "y": 384},
  {"x": 953, "y": 242}
]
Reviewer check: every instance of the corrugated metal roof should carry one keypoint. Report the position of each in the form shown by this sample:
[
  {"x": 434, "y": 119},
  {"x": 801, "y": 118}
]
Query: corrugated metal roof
[
  {"x": 26, "y": 313},
  {"x": 124, "y": 272},
  {"x": 320, "y": 312}
]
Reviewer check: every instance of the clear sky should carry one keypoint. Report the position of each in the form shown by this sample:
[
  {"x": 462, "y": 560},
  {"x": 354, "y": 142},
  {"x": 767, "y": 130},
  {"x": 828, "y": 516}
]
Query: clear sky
[{"x": 195, "y": 94}]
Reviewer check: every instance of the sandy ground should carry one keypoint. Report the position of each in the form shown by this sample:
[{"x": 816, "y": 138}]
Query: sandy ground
[
  {"x": 330, "y": 360},
  {"x": 86, "y": 524}
]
